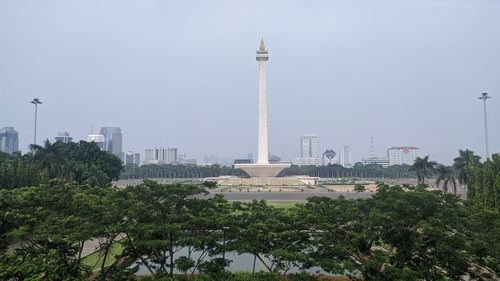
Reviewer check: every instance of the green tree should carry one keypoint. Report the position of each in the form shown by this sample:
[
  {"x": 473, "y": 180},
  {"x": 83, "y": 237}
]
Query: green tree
[
  {"x": 445, "y": 175},
  {"x": 50, "y": 158},
  {"x": 399, "y": 233},
  {"x": 423, "y": 167},
  {"x": 359, "y": 188},
  {"x": 156, "y": 214},
  {"x": 460, "y": 163},
  {"x": 272, "y": 236}
]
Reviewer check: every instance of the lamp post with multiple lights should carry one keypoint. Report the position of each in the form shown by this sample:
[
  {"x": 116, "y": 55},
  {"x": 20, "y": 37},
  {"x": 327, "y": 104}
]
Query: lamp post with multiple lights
[
  {"x": 484, "y": 97},
  {"x": 36, "y": 102}
]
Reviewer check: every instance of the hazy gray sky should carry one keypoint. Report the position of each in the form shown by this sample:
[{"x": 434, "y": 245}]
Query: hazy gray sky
[{"x": 183, "y": 73}]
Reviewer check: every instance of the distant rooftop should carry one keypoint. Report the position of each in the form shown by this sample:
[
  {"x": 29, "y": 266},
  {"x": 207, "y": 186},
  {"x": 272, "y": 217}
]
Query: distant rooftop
[{"x": 402, "y": 147}]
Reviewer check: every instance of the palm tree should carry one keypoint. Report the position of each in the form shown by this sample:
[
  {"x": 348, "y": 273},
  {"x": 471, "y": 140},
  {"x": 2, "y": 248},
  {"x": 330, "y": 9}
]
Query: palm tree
[
  {"x": 445, "y": 175},
  {"x": 461, "y": 162},
  {"x": 423, "y": 167},
  {"x": 48, "y": 157}
]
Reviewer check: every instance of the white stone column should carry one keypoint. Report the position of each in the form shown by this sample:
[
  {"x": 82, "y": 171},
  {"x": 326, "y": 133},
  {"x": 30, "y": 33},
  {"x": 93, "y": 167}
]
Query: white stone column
[{"x": 262, "y": 57}]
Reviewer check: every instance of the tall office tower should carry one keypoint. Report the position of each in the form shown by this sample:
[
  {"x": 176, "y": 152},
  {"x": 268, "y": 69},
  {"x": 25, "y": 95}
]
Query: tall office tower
[
  {"x": 112, "y": 140},
  {"x": 98, "y": 139},
  {"x": 63, "y": 137},
  {"x": 9, "y": 140},
  {"x": 309, "y": 146},
  {"x": 345, "y": 155},
  {"x": 400, "y": 155}
]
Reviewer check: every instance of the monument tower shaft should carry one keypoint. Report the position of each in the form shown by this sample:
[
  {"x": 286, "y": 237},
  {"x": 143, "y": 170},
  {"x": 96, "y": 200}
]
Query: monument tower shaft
[
  {"x": 262, "y": 169},
  {"x": 262, "y": 149}
]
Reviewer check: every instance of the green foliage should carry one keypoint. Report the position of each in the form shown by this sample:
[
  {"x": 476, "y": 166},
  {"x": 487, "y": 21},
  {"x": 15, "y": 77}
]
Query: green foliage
[
  {"x": 445, "y": 176},
  {"x": 81, "y": 162},
  {"x": 400, "y": 233},
  {"x": 178, "y": 171},
  {"x": 359, "y": 170},
  {"x": 483, "y": 182},
  {"x": 423, "y": 168},
  {"x": 329, "y": 171},
  {"x": 460, "y": 164},
  {"x": 210, "y": 184},
  {"x": 359, "y": 188}
]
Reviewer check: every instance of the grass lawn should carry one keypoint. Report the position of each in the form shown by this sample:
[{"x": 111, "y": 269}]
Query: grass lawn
[
  {"x": 284, "y": 204},
  {"x": 94, "y": 260}
]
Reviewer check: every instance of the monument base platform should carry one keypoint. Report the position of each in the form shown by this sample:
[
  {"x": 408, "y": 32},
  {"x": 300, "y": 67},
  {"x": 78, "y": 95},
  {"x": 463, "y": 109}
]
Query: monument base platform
[
  {"x": 294, "y": 181},
  {"x": 263, "y": 170}
]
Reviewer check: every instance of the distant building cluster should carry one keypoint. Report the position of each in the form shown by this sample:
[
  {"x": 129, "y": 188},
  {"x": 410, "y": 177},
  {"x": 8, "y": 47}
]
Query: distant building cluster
[{"x": 110, "y": 139}]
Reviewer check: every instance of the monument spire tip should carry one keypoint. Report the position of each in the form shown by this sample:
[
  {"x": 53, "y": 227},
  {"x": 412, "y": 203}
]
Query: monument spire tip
[{"x": 262, "y": 46}]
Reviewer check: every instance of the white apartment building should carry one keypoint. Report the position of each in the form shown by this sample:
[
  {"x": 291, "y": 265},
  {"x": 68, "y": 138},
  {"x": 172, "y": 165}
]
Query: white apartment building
[
  {"x": 160, "y": 156},
  {"x": 400, "y": 155}
]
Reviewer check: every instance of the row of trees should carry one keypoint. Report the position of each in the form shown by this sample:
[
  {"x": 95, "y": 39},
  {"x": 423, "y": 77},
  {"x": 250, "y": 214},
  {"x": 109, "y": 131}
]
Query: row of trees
[
  {"x": 82, "y": 162},
  {"x": 401, "y": 233},
  {"x": 329, "y": 171},
  {"x": 482, "y": 179},
  {"x": 178, "y": 171}
]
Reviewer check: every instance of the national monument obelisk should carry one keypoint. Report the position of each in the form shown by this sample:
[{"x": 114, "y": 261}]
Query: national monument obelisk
[{"x": 262, "y": 168}]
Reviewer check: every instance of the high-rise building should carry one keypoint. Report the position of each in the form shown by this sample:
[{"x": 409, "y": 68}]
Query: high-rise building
[
  {"x": 63, "y": 137},
  {"x": 112, "y": 140},
  {"x": 400, "y": 155},
  {"x": 160, "y": 155},
  {"x": 309, "y": 146},
  {"x": 309, "y": 151},
  {"x": 98, "y": 139},
  {"x": 9, "y": 140},
  {"x": 131, "y": 158},
  {"x": 345, "y": 155}
]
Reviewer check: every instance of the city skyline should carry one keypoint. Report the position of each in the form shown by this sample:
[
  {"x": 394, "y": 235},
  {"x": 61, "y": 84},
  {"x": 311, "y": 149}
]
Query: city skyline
[{"x": 344, "y": 81}]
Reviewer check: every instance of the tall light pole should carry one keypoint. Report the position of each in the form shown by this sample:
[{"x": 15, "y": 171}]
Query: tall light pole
[
  {"x": 484, "y": 97},
  {"x": 36, "y": 102}
]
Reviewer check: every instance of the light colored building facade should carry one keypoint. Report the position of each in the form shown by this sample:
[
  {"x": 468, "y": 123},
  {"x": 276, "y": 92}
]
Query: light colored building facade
[
  {"x": 63, "y": 137},
  {"x": 98, "y": 139},
  {"x": 160, "y": 156},
  {"x": 309, "y": 151},
  {"x": 307, "y": 161},
  {"x": 113, "y": 140},
  {"x": 131, "y": 158},
  {"x": 345, "y": 155},
  {"x": 384, "y": 162},
  {"x": 309, "y": 146},
  {"x": 400, "y": 155},
  {"x": 9, "y": 140}
]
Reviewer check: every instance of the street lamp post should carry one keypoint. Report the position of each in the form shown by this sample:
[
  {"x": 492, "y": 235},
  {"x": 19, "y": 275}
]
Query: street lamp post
[
  {"x": 36, "y": 102},
  {"x": 484, "y": 97}
]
